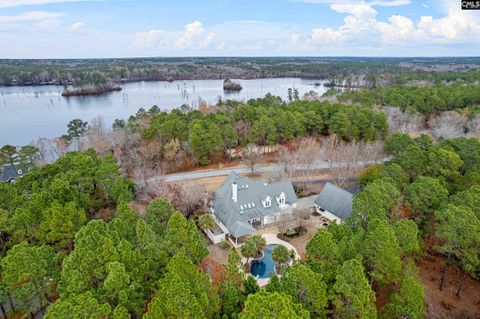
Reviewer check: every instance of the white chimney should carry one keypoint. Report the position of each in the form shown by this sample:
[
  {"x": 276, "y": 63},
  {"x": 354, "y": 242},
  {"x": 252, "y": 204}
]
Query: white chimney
[{"x": 234, "y": 192}]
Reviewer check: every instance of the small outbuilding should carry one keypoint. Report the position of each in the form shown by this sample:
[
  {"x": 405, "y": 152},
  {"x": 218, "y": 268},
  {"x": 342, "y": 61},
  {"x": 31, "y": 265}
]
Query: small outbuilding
[{"x": 334, "y": 203}]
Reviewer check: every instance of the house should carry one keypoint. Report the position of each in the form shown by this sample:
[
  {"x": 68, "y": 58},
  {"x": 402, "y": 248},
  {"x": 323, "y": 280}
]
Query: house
[
  {"x": 10, "y": 173},
  {"x": 241, "y": 204},
  {"x": 334, "y": 203}
]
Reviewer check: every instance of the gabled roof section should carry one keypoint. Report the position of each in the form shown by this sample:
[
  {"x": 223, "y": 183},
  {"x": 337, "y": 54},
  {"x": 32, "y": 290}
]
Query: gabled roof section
[
  {"x": 251, "y": 193},
  {"x": 10, "y": 172},
  {"x": 335, "y": 200}
]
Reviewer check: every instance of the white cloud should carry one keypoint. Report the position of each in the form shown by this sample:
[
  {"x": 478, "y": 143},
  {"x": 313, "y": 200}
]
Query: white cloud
[
  {"x": 193, "y": 37},
  {"x": 77, "y": 25},
  {"x": 382, "y": 3},
  {"x": 17, "y": 3},
  {"x": 31, "y": 16},
  {"x": 362, "y": 27}
]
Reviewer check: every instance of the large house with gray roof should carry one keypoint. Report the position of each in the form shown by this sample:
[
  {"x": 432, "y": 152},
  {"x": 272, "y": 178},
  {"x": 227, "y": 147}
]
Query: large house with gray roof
[
  {"x": 334, "y": 203},
  {"x": 241, "y": 204}
]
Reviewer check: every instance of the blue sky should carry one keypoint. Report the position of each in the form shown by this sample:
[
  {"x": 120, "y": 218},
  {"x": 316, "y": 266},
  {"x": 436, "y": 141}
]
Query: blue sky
[{"x": 131, "y": 28}]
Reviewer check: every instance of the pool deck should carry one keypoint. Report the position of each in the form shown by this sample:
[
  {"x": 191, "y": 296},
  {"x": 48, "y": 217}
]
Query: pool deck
[{"x": 272, "y": 239}]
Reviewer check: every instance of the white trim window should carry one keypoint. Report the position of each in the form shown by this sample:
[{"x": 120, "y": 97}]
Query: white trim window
[
  {"x": 281, "y": 200},
  {"x": 267, "y": 202}
]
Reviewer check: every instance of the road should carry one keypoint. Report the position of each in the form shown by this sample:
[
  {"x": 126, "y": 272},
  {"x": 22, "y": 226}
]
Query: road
[{"x": 238, "y": 169}]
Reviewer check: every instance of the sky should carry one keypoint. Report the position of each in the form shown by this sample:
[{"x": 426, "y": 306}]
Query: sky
[{"x": 157, "y": 28}]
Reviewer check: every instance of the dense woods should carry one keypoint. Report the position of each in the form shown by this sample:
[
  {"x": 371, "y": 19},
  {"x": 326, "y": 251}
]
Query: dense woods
[
  {"x": 427, "y": 100},
  {"x": 207, "y": 133},
  {"x": 348, "y": 72},
  {"x": 76, "y": 247},
  {"x": 72, "y": 246}
]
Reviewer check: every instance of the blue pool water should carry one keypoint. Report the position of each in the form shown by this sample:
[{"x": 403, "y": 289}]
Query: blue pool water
[{"x": 263, "y": 267}]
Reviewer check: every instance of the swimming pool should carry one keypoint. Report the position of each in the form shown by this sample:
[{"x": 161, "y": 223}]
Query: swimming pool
[{"x": 262, "y": 268}]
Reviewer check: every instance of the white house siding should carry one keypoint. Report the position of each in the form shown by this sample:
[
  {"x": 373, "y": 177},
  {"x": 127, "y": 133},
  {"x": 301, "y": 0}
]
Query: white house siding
[
  {"x": 216, "y": 239},
  {"x": 328, "y": 215},
  {"x": 271, "y": 219}
]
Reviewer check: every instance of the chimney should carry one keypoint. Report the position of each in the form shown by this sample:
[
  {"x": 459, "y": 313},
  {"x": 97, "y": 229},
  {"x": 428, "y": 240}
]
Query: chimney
[{"x": 234, "y": 192}]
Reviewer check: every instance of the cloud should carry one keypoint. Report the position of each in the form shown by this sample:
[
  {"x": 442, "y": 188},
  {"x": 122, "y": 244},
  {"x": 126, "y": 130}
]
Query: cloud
[
  {"x": 17, "y": 3},
  {"x": 362, "y": 27},
  {"x": 193, "y": 37},
  {"x": 382, "y": 3},
  {"x": 31, "y": 16},
  {"x": 77, "y": 25}
]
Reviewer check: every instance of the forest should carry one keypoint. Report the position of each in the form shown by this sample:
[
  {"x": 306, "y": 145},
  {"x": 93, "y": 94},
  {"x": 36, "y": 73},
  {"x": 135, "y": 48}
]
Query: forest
[
  {"x": 353, "y": 72},
  {"x": 72, "y": 247},
  {"x": 74, "y": 244}
]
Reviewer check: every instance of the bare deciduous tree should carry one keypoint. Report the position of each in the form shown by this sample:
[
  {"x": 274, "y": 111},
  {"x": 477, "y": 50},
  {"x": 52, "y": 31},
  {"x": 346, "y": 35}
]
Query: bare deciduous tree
[
  {"x": 307, "y": 153},
  {"x": 44, "y": 146},
  {"x": 404, "y": 122},
  {"x": 449, "y": 125},
  {"x": 59, "y": 146},
  {"x": 343, "y": 157},
  {"x": 251, "y": 156},
  {"x": 301, "y": 216}
]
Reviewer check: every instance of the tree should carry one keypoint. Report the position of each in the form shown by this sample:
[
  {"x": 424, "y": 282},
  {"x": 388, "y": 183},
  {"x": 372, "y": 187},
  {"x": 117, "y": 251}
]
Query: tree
[
  {"x": 232, "y": 286},
  {"x": 408, "y": 301},
  {"x": 306, "y": 288},
  {"x": 27, "y": 156},
  {"x": 59, "y": 225},
  {"x": 458, "y": 229},
  {"x": 29, "y": 272},
  {"x": 397, "y": 143},
  {"x": 251, "y": 285},
  {"x": 249, "y": 250},
  {"x": 206, "y": 221},
  {"x": 323, "y": 255},
  {"x": 182, "y": 234},
  {"x": 158, "y": 213},
  {"x": 280, "y": 255},
  {"x": 76, "y": 130},
  {"x": 184, "y": 292},
  {"x": 469, "y": 198},
  {"x": 82, "y": 306},
  {"x": 425, "y": 195},
  {"x": 406, "y": 232},
  {"x": 382, "y": 254},
  {"x": 352, "y": 295},
  {"x": 374, "y": 203},
  {"x": 85, "y": 267},
  {"x": 8, "y": 154},
  {"x": 251, "y": 156},
  {"x": 445, "y": 163},
  {"x": 273, "y": 306},
  {"x": 259, "y": 242}
]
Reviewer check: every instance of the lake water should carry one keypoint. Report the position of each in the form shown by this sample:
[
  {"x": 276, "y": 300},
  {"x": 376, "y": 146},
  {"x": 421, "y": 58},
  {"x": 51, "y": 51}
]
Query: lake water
[{"x": 27, "y": 113}]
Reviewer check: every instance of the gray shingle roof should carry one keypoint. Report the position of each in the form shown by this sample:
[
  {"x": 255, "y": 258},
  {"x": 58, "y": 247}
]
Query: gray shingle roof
[
  {"x": 235, "y": 215},
  {"x": 335, "y": 200},
  {"x": 9, "y": 172}
]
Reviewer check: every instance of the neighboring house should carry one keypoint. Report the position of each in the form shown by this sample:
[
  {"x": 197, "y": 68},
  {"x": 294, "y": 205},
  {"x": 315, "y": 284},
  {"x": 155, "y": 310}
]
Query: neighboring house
[
  {"x": 10, "y": 173},
  {"x": 334, "y": 203},
  {"x": 241, "y": 204}
]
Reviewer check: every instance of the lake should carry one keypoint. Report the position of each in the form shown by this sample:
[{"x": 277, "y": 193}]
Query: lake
[{"x": 30, "y": 112}]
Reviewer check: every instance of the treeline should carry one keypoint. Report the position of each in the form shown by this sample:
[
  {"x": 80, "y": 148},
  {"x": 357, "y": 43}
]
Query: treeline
[
  {"x": 370, "y": 72},
  {"x": 265, "y": 121},
  {"x": 427, "y": 100}
]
